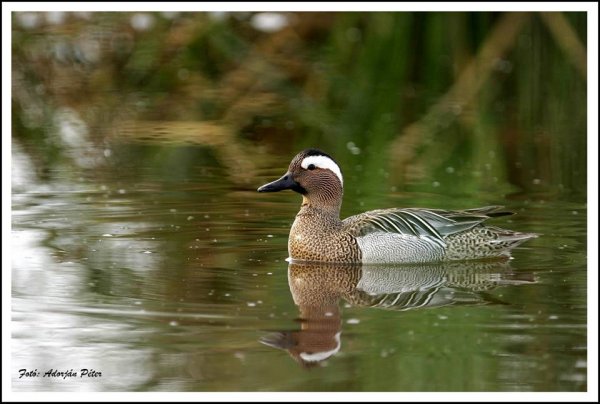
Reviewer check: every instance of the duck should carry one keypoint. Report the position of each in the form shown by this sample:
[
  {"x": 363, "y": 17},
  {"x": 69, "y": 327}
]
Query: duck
[{"x": 392, "y": 235}]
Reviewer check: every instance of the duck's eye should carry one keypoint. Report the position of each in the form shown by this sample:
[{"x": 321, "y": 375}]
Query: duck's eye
[{"x": 311, "y": 167}]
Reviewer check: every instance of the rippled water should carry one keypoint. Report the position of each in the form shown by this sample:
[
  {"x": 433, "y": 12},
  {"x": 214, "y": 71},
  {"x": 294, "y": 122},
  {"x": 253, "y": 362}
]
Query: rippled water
[{"x": 156, "y": 280}]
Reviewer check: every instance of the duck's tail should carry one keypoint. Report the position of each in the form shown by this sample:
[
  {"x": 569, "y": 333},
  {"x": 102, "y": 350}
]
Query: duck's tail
[{"x": 485, "y": 242}]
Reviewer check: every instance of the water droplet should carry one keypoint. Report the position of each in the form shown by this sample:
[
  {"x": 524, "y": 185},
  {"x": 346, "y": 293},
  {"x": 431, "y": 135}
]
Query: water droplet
[
  {"x": 353, "y": 148},
  {"x": 269, "y": 22},
  {"x": 29, "y": 20},
  {"x": 142, "y": 21}
]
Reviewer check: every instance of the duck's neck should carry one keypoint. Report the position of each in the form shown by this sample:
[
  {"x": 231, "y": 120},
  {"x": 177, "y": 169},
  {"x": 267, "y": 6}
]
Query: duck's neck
[{"x": 327, "y": 206}]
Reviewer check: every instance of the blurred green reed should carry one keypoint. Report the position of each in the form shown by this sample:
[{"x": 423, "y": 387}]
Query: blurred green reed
[{"x": 350, "y": 83}]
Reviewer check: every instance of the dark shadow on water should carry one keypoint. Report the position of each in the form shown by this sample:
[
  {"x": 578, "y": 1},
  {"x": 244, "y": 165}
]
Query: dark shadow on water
[{"x": 317, "y": 289}]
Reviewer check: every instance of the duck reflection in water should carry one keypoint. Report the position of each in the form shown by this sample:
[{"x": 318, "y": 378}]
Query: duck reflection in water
[{"x": 318, "y": 287}]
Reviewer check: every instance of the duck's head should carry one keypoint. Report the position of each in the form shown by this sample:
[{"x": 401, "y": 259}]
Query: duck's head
[{"x": 314, "y": 174}]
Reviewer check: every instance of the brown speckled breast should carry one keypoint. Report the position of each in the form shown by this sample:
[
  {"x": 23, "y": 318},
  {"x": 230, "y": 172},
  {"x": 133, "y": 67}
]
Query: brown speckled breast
[{"x": 316, "y": 236}]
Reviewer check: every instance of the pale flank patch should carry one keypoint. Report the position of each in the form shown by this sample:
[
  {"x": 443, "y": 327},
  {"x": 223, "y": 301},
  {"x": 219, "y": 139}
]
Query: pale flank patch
[{"x": 323, "y": 162}]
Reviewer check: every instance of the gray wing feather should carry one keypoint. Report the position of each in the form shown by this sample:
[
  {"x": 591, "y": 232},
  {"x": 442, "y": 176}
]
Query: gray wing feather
[{"x": 431, "y": 224}]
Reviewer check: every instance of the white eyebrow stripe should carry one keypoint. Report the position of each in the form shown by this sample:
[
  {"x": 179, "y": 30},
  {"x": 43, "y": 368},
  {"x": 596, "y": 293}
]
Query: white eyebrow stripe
[{"x": 323, "y": 162}]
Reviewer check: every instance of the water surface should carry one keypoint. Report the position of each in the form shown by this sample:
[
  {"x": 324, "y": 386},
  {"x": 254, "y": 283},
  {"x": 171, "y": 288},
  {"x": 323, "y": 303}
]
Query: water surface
[{"x": 183, "y": 286}]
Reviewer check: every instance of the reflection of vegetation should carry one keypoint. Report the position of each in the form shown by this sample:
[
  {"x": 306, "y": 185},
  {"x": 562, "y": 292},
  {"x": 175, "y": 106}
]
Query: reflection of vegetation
[{"x": 465, "y": 100}]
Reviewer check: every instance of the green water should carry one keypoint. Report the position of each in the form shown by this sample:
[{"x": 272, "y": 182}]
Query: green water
[
  {"x": 164, "y": 285},
  {"x": 141, "y": 250}
]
